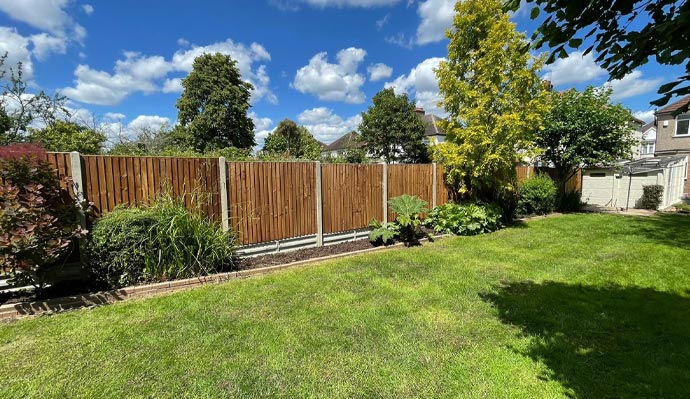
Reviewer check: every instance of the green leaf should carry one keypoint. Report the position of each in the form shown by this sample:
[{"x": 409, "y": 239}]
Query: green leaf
[{"x": 534, "y": 13}]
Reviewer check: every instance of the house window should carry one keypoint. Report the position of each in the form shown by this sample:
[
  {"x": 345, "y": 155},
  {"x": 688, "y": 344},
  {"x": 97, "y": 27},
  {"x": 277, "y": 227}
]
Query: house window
[
  {"x": 683, "y": 125},
  {"x": 648, "y": 148}
]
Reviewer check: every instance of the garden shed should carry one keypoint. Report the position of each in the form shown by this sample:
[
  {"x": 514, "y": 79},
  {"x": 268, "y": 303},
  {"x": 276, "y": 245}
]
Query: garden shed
[{"x": 621, "y": 186}]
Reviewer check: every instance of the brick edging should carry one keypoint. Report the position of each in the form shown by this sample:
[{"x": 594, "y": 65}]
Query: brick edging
[{"x": 55, "y": 305}]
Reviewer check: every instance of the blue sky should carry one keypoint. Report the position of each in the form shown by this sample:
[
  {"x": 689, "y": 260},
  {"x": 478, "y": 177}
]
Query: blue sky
[{"x": 318, "y": 62}]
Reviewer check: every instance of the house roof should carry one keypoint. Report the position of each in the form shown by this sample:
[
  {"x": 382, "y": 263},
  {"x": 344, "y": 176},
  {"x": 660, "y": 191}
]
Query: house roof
[
  {"x": 430, "y": 125},
  {"x": 347, "y": 141},
  {"x": 676, "y": 107},
  {"x": 638, "y": 122},
  {"x": 648, "y": 126}
]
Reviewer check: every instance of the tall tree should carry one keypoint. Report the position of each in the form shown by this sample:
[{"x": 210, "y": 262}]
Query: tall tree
[
  {"x": 293, "y": 141},
  {"x": 214, "y": 104},
  {"x": 494, "y": 98},
  {"x": 68, "y": 136},
  {"x": 625, "y": 34},
  {"x": 584, "y": 128},
  {"x": 20, "y": 109},
  {"x": 392, "y": 130}
]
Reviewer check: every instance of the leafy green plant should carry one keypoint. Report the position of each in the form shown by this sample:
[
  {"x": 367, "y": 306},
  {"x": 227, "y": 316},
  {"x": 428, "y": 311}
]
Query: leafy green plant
[
  {"x": 408, "y": 210},
  {"x": 38, "y": 221},
  {"x": 682, "y": 207},
  {"x": 383, "y": 233},
  {"x": 537, "y": 196},
  {"x": 464, "y": 219},
  {"x": 651, "y": 196},
  {"x": 160, "y": 242},
  {"x": 571, "y": 202}
]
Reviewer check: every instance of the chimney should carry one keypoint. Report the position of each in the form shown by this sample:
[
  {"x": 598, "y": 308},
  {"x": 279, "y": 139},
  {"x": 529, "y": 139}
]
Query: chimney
[{"x": 419, "y": 111}]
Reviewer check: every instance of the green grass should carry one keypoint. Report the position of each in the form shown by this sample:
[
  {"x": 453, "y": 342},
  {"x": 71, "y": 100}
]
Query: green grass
[{"x": 587, "y": 306}]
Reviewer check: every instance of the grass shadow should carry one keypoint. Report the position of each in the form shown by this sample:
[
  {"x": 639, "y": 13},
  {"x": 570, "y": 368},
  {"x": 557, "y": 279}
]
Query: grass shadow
[
  {"x": 603, "y": 342},
  {"x": 668, "y": 229}
]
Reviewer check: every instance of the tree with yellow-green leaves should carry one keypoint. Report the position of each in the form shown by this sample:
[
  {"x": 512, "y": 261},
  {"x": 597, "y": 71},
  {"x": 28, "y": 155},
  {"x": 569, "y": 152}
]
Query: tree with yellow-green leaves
[{"x": 494, "y": 97}]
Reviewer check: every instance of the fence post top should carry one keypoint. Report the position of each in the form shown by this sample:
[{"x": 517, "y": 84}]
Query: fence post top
[{"x": 221, "y": 159}]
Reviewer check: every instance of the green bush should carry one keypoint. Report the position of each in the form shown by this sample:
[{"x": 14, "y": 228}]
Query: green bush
[
  {"x": 651, "y": 196},
  {"x": 682, "y": 207},
  {"x": 162, "y": 242},
  {"x": 407, "y": 224},
  {"x": 537, "y": 196},
  {"x": 571, "y": 202},
  {"x": 464, "y": 219}
]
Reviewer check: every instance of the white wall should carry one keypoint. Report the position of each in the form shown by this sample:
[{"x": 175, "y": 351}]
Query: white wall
[{"x": 611, "y": 190}]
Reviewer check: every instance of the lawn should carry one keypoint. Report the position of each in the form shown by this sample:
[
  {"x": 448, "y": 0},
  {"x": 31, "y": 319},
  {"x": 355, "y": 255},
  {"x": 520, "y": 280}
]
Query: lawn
[{"x": 587, "y": 306}]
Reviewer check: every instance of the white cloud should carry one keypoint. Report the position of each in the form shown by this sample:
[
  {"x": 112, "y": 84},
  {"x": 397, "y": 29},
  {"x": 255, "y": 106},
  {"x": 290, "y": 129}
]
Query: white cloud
[
  {"x": 45, "y": 44},
  {"x": 380, "y": 23},
  {"x": 182, "y": 42},
  {"x": 422, "y": 84},
  {"x": 17, "y": 48},
  {"x": 632, "y": 85},
  {"x": 333, "y": 82},
  {"x": 400, "y": 40},
  {"x": 646, "y": 116},
  {"x": 325, "y": 125},
  {"x": 87, "y": 8},
  {"x": 114, "y": 116},
  {"x": 46, "y": 15},
  {"x": 576, "y": 68},
  {"x": 379, "y": 71},
  {"x": 141, "y": 73},
  {"x": 172, "y": 85},
  {"x": 262, "y": 128},
  {"x": 436, "y": 16},
  {"x": 153, "y": 122}
]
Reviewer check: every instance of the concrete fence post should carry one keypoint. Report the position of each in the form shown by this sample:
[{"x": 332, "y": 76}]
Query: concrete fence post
[
  {"x": 385, "y": 193},
  {"x": 223, "y": 175},
  {"x": 319, "y": 206},
  {"x": 433, "y": 191},
  {"x": 78, "y": 185}
]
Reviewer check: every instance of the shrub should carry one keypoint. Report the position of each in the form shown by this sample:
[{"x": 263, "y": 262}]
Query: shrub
[
  {"x": 651, "y": 196},
  {"x": 682, "y": 207},
  {"x": 407, "y": 224},
  {"x": 465, "y": 219},
  {"x": 572, "y": 202},
  {"x": 537, "y": 196},
  {"x": 38, "y": 221},
  {"x": 160, "y": 242}
]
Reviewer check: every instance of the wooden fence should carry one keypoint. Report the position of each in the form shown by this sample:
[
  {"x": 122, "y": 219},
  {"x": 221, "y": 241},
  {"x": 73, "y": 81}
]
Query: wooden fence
[
  {"x": 574, "y": 184},
  {"x": 261, "y": 201}
]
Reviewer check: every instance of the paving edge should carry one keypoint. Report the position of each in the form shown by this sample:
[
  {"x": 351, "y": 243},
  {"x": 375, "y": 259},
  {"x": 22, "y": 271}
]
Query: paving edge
[{"x": 19, "y": 310}]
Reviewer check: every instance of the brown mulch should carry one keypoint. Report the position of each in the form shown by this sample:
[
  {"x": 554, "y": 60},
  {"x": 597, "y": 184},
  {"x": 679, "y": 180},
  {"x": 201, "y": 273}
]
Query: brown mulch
[{"x": 303, "y": 254}]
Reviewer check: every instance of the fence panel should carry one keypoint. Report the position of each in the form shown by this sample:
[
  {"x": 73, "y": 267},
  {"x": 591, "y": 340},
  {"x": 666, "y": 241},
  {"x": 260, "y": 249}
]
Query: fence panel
[
  {"x": 443, "y": 195},
  {"x": 271, "y": 200},
  {"x": 352, "y": 196},
  {"x": 62, "y": 163},
  {"x": 411, "y": 179}
]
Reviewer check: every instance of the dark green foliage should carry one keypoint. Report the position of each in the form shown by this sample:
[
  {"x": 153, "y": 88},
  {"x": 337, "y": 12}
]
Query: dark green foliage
[
  {"x": 571, "y": 202},
  {"x": 214, "y": 104},
  {"x": 407, "y": 224},
  {"x": 292, "y": 141},
  {"x": 64, "y": 136},
  {"x": 537, "y": 196},
  {"x": 682, "y": 207},
  {"x": 392, "y": 130},
  {"x": 38, "y": 221},
  {"x": 651, "y": 196},
  {"x": 464, "y": 219},
  {"x": 157, "y": 243},
  {"x": 383, "y": 233},
  {"x": 624, "y": 34}
]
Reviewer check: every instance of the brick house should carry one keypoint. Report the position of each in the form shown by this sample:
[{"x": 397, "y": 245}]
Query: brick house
[{"x": 673, "y": 132}]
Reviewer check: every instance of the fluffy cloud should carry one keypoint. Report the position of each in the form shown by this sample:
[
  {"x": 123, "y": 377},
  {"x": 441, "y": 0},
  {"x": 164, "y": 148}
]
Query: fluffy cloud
[
  {"x": 379, "y": 71},
  {"x": 435, "y": 17},
  {"x": 646, "y": 116},
  {"x": 421, "y": 83},
  {"x": 325, "y": 125},
  {"x": 114, "y": 116},
  {"x": 87, "y": 8},
  {"x": 333, "y": 82},
  {"x": 45, "y": 44},
  {"x": 262, "y": 127},
  {"x": 17, "y": 48},
  {"x": 632, "y": 85},
  {"x": 576, "y": 68},
  {"x": 153, "y": 122},
  {"x": 45, "y": 15},
  {"x": 141, "y": 73}
]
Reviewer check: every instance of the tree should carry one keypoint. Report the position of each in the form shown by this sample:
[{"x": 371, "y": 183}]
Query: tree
[
  {"x": 494, "y": 98},
  {"x": 293, "y": 141},
  {"x": 392, "y": 130},
  {"x": 22, "y": 108},
  {"x": 68, "y": 136},
  {"x": 584, "y": 129},
  {"x": 214, "y": 104},
  {"x": 625, "y": 33}
]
